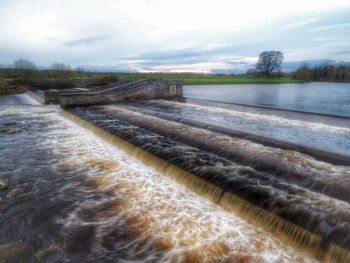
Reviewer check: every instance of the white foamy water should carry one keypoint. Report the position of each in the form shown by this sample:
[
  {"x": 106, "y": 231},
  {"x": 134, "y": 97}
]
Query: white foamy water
[
  {"x": 142, "y": 215},
  {"x": 27, "y": 99},
  {"x": 186, "y": 224},
  {"x": 318, "y": 127},
  {"x": 317, "y": 135},
  {"x": 292, "y": 161}
]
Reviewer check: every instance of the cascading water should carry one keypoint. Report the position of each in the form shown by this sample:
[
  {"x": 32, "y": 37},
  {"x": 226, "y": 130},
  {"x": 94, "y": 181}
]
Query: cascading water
[
  {"x": 294, "y": 211},
  {"x": 71, "y": 197},
  {"x": 315, "y": 134}
]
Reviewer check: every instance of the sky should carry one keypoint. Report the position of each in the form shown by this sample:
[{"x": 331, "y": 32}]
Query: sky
[{"x": 204, "y": 36}]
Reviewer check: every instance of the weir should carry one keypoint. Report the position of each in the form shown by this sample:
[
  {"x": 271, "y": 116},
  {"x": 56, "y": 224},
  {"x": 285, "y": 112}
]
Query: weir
[
  {"x": 327, "y": 140},
  {"x": 303, "y": 227},
  {"x": 322, "y": 155},
  {"x": 243, "y": 151},
  {"x": 288, "y": 193},
  {"x": 84, "y": 199}
]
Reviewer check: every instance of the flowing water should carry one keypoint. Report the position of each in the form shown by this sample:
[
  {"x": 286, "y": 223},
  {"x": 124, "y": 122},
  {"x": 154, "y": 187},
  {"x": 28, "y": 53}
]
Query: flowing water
[
  {"x": 265, "y": 192},
  {"x": 285, "y": 165},
  {"x": 71, "y": 197},
  {"x": 320, "y": 97},
  {"x": 281, "y": 190},
  {"x": 332, "y": 138}
]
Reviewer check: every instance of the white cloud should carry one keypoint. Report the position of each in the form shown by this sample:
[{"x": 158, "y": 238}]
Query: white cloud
[
  {"x": 331, "y": 27},
  {"x": 119, "y": 32},
  {"x": 41, "y": 27},
  {"x": 168, "y": 16}
]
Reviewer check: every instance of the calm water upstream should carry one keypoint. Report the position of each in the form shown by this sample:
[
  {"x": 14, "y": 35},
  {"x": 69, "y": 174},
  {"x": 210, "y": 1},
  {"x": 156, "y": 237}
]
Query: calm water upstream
[{"x": 329, "y": 98}]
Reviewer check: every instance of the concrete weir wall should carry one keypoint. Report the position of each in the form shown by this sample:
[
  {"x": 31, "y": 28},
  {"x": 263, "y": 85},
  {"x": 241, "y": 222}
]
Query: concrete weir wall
[
  {"x": 51, "y": 96},
  {"x": 141, "y": 89}
]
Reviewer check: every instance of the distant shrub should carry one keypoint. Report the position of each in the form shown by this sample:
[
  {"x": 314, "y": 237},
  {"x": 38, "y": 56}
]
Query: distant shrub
[
  {"x": 44, "y": 83},
  {"x": 54, "y": 84},
  {"x": 102, "y": 80},
  {"x": 339, "y": 72}
]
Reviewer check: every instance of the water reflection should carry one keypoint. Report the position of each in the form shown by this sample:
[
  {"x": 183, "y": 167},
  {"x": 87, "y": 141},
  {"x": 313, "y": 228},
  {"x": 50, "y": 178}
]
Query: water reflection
[
  {"x": 330, "y": 98},
  {"x": 268, "y": 97}
]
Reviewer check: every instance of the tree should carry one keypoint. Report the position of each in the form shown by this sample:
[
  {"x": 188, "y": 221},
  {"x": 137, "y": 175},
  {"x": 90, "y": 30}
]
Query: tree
[
  {"x": 325, "y": 72},
  {"x": 23, "y": 64},
  {"x": 25, "y": 68},
  {"x": 60, "y": 69},
  {"x": 304, "y": 72},
  {"x": 269, "y": 62}
]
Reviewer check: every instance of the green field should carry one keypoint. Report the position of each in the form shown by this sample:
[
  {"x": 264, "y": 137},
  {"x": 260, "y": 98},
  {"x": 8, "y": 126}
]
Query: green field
[{"x": 205, "y": 79}]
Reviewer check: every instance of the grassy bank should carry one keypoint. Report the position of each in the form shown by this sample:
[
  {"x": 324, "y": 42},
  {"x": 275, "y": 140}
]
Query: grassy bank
[
  {"x": 12, "y": 81},
  {"x": 203, "y": 80},
  {"x": 46, "y": 79}
]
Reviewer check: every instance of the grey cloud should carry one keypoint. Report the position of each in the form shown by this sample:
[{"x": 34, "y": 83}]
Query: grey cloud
[
  {"x": 331, "y": 27},
  {"x": 85, "y": 41},
  {"x": 105, "y": 38},
  {"x": 187, "y": 56},
  {"x": 343, "y": 52}
]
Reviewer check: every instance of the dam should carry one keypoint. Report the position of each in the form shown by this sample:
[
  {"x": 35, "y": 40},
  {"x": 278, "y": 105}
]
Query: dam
[{"x": 130, "y": 173}]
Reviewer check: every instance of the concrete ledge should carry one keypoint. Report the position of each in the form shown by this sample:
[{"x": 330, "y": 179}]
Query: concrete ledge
[{"x": 141, "y": 89}]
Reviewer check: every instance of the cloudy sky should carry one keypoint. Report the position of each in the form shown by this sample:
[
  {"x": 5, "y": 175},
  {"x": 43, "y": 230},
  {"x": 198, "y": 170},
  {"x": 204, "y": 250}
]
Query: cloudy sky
[{"x": 172, "y": 35}]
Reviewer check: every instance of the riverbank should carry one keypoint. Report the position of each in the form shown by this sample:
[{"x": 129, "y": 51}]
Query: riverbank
[
  {"x": 6, "y": 88},
  {"x": 212, "y": 79}
]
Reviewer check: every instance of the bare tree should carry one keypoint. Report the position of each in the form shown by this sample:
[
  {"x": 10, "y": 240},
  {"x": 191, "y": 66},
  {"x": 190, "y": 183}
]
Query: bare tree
[
  {"x": 25, "y": 68},
  {"x": 23, "y": 64},
  {"x": 269, "y": 61},
  {"x": 61, "y": 69}
]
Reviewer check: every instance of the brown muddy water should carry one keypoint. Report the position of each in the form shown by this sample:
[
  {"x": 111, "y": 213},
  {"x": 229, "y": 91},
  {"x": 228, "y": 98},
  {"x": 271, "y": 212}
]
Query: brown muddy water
[
  {"x": 68, "y": 196},
  {"x": 284, "y": 191}
]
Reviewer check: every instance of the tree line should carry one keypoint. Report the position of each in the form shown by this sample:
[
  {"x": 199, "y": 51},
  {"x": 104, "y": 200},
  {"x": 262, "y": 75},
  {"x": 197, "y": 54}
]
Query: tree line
[
  {"x": 270, "y": 62},
  {"x": 59, "y": 76},
  {"x": 27, "y": 69},
  {"x": 268, "y": 65},
  {"x": 324, "y": 72}
]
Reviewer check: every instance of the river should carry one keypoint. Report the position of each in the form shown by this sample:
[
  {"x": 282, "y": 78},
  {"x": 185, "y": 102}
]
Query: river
[
  {"x": 71, "y": 197},
  {"x": 330, "y": 134},
  {"x": 319, "y": 97}
]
